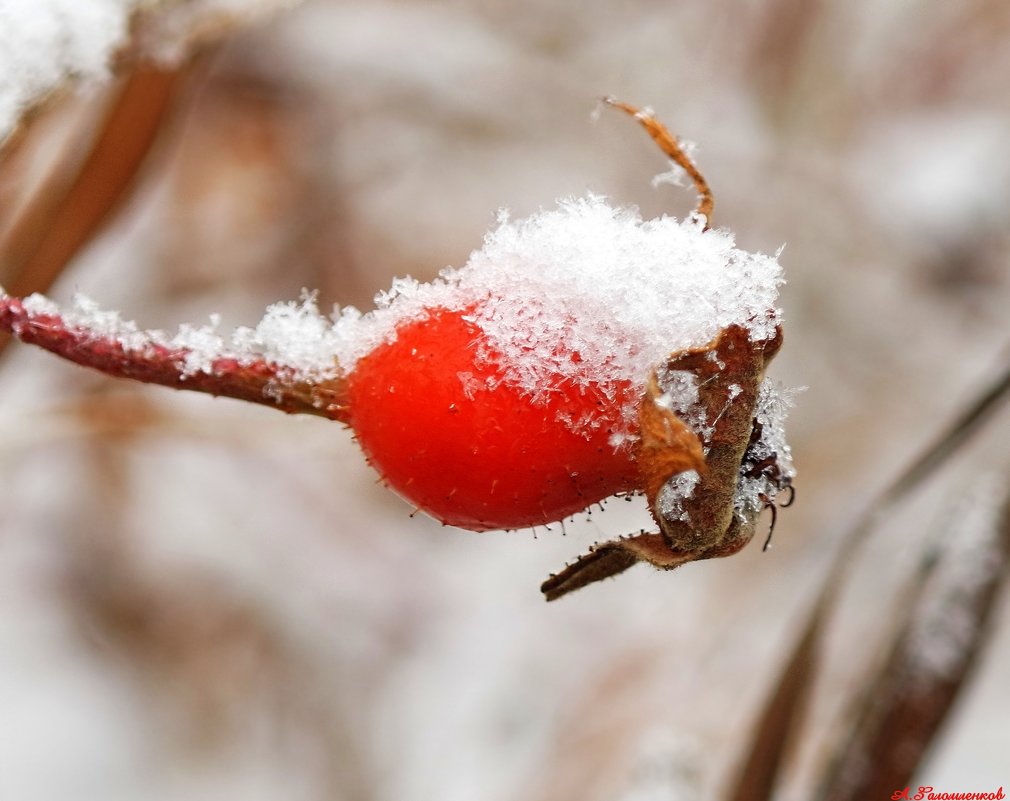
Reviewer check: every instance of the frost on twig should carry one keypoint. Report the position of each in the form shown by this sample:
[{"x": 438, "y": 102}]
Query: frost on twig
[{"x": 273, "y": 364}]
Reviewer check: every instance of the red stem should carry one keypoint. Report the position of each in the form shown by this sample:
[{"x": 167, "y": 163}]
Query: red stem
[{"x": 148, "y": 360}]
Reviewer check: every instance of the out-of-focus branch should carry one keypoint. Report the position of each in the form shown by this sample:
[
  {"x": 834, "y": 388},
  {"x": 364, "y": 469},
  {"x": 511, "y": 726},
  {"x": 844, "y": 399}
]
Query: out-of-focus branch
[
  {"x": 50, "y": 45},
  {"x": 943, "y": 630},
  {"x": 785, "y": 710},
  {"x": 774, "y": 731},
  {"x": 53, "y": 229}
]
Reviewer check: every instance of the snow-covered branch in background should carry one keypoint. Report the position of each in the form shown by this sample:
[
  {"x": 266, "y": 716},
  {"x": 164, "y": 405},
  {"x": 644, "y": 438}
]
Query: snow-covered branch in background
[{"x": 47, "y": 44}]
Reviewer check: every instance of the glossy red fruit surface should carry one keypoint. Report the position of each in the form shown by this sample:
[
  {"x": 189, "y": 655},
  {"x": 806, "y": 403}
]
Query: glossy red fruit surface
[{"x": 477, "y": 457}]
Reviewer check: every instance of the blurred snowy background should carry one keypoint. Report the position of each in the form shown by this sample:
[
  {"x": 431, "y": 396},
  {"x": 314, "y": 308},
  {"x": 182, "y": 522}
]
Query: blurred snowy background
[{"x": 202, "y": 599}]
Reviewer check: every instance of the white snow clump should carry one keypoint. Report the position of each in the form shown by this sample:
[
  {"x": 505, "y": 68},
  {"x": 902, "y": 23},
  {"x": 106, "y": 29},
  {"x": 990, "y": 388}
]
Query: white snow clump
[
  {"x": 586, "y": 293},
  {"x": 47, "y": 43}
]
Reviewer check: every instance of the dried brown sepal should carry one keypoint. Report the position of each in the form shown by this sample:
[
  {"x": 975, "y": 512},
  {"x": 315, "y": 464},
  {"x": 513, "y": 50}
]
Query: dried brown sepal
[
  {"x": 153, "y": 362},
  {"x": 728, "y": 372},
  {"x": 608, "y": 559},
  {"x": 667, "y": 446},
  {"x": 668, "y": 143}
]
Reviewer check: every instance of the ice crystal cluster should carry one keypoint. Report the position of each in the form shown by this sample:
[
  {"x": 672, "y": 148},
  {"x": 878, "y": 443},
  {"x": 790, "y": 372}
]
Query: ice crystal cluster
[
  {"x": 586, "y": 293},
  {"x": 773, "y": 405},
  {"x": 590, "y": 293}
]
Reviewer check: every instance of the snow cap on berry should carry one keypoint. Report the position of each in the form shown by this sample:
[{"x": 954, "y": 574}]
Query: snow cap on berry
[{"x": 586, "y": 293}]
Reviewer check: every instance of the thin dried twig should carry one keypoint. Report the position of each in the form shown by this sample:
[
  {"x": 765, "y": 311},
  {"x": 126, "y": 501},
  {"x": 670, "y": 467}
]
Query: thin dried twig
[
  {"x": 671, "y": 147},
  {"x": 756, "y": 777},
  {"x": 963, "y": 426}
]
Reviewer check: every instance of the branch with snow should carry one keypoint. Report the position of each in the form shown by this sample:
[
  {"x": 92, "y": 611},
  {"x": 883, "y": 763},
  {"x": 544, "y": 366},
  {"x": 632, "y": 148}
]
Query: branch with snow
[{"x": 258, "y": 365}]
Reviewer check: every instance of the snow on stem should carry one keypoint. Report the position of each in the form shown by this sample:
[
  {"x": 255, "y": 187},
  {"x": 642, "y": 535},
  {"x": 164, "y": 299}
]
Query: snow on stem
[{"x": 120, "y": 349}]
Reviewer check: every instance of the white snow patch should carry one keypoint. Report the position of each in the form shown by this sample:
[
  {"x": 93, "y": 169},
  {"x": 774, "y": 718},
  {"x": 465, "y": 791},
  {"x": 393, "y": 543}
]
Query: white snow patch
[
  {"x": 295, "y": 335},
  {"x": 680, "y": 396},
  {"x": 201, "y": 345},
  {"x": 670, "y": 501},
  {"x": 677, "y": 175},
  {"x": 773, "y": 405},
  {"x": 38, "y": 305},
  {"x": 585, "y": 294},
  {"x": 47, "y": 43}
]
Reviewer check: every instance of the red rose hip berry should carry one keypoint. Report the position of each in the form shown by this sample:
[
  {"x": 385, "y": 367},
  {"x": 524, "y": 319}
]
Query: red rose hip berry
[{"x": 445, "y": 429}]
